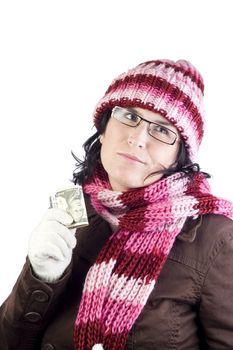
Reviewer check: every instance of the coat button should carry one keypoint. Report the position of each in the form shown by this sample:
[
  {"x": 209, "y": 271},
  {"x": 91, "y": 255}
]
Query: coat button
[
  {"x": 33, "y": 317},
  {"x": 40, "y": 296},
  {"x": 48, "y": 346}
]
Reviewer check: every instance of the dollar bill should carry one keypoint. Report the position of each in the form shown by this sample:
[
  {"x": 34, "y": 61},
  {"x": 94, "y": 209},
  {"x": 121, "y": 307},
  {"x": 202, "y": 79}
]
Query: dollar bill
[{"x": 71, "y": 199}]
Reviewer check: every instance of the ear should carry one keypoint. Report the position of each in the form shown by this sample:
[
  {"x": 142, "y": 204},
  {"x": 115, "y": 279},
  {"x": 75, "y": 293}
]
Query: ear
[{"x": 101, "y": 138}]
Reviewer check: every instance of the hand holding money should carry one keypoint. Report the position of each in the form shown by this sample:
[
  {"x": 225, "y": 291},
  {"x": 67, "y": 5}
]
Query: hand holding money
[{"x": 51, "y": 244}]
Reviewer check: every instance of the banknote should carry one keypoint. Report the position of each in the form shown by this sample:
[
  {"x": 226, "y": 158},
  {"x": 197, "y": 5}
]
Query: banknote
[{"x": 71, "y": 199}]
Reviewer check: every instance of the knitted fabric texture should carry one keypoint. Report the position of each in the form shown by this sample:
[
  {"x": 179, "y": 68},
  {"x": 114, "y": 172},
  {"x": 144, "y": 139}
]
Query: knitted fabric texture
[
  {"x": 172, "y": 89},
  {"x": 118, "y": 285}
]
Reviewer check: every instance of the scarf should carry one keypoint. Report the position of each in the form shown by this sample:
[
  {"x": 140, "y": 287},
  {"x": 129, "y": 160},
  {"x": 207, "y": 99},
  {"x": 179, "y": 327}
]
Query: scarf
[{"x": 125, "y": 272}]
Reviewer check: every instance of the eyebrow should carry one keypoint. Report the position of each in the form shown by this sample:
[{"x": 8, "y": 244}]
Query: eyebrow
[{"x": 163, "y": 122}]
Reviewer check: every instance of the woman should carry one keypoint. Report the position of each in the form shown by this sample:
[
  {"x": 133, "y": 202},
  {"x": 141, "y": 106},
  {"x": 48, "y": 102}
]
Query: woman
[{"x": 153, "y": 270}]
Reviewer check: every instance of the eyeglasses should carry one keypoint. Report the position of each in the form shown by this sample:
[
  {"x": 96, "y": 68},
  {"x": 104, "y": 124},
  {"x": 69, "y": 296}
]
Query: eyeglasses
[{"x": 132, "y": 119}]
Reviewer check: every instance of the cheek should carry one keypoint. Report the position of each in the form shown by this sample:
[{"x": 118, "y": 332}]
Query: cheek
[
  {"x": 110, "y": 142},
  {"x": 102, "y": 154},
  {"x": 165, "y": 156},
  {"x": 106, "y": 152},
  {"x": 171, "y": 157}
]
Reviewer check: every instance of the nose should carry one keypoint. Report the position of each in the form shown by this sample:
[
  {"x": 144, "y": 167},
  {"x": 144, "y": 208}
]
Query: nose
[{"x": 138, "y": 135}]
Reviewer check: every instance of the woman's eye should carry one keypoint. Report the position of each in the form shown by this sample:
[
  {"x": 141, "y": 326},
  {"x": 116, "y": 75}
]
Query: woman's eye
[
  {"x": 164, "y": 130},
  {"x": 132, "y": 117},
  {"x": 160, "y": 129}
]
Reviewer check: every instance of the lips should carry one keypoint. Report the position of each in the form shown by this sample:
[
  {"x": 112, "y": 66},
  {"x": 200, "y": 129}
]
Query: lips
[{"x": 130, "y": 157}]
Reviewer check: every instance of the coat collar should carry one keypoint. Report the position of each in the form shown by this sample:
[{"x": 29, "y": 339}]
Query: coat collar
[{"x": 189, "y": 230}]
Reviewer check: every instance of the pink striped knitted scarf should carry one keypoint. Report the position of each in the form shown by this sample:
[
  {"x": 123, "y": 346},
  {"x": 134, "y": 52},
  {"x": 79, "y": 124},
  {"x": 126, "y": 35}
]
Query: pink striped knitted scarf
[{"x": 118, "y": 285}]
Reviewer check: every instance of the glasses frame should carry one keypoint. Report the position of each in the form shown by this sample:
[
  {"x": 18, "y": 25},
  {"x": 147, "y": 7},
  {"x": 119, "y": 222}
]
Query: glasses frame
[{"x": 140, "y": 118}]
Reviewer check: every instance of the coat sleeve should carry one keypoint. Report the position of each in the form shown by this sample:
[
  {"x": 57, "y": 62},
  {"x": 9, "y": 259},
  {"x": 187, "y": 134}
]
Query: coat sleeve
[
  {"x": 27, "y": 310},
  {"x": 216, "y": 308}
]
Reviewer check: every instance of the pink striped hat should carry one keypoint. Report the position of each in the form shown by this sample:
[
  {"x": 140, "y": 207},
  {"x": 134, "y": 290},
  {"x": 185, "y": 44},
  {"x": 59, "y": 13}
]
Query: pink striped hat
[{"x": 173, "y": 89}]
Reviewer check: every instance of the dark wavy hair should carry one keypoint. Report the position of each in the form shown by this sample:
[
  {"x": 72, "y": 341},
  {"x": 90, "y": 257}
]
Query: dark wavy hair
[{"x": 85, "y": 168}]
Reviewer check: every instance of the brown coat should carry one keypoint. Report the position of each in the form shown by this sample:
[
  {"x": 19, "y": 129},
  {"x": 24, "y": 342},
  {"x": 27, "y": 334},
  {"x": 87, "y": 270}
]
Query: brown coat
[{"x": 191, "y": 307}]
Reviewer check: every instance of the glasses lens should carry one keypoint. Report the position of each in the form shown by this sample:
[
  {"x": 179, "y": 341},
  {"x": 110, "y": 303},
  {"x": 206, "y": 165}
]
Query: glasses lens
[
  {"x": 125, "y": 116},
  {"x": 162, "y": 133},
  {"x": 157, "y": 131}
]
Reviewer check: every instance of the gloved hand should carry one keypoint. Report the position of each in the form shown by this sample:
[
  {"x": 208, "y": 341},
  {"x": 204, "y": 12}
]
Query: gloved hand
[{"x": 51, "y": 244}]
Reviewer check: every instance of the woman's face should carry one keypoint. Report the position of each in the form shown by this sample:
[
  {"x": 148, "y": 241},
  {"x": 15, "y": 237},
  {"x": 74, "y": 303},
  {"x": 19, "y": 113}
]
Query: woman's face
[
  {"x": 131, "y": 156},
  {"x": 75, "y": 209}
]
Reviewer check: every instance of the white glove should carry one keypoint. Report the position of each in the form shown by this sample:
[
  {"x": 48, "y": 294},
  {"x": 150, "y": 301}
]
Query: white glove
[{"x": 51, "y": 244}]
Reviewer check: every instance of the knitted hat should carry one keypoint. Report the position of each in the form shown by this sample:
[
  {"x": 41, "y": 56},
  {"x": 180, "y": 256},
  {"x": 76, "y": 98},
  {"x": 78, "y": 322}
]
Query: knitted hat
[{"x": 173, "y": 89}]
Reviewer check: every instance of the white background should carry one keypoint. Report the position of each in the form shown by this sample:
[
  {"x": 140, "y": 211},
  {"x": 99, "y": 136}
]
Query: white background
[{"x": 58, "y": 57}]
